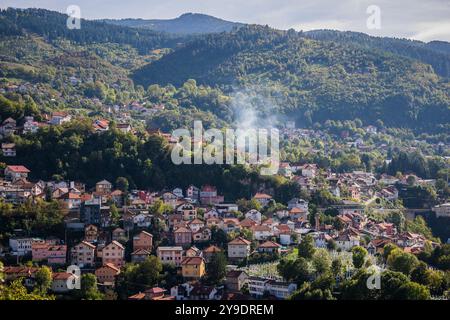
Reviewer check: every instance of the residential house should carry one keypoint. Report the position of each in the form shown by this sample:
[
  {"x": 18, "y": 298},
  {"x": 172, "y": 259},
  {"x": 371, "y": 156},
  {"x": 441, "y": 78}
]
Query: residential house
[
  {"x": 202, "y": 235},
  {"x": 70, "y": 200},
  {"x": 143, "y": 240},
  {"x": 103, "y": 187},
  {"x": 90, "y": 233},
  {"x": 212, "y": 213},
  {"x": 194, "y": 252},
  {"x": 262, "y": 198},
  {"x": 248, "y": 224},
  {"x": 298, "y": 214},
  {"x": 298, "y": 203},
  {"x": 309, "y": 170},
  {"x": 269, "y": 247},
  {"x": 238, "y": 248},
  {"x": 124, "y": 127},
  {"x": 210, "y": 251},
  {"x": 139, "y": 255},
  {"x": 259, "y": 286},
  {"x": 59, "y": 118},
  {"x": 173, "y": 220},
  {"x": 22, "y": 246},
  {"x": 254, "y": 215},
  {"x": 170, "y": 199},
  {"x": 231, "y": 225},
  {"x": 208, "y": 195},
  {"x": 193, "y": 267},
  {"x": 183, "y": 236},
  {"x": 90, "y": 211},
  {"x": 188, "y": 211},
  {"x": 262, "y": 232},
  {"x": 178, "y": 192},
  {"x": 143, "y": 220},
  {"x": 107, "y": 274},
  {"x": 28, "y": 274},
  {"x": 235, "y": 280},
  {"x": 193, "y": 192},
  {"x": 63, "y": 282},
  {"x": 8, "y": 127},
  {"x": 172, "y": 255},
  {"x": 113, "y": 253},
  {"x": 83, "y": 254},
  {"x": 346, "y": 241},
  {"x": 53, "y": 254},
  {"x": 155, "y": 293},
  {"x": 9, "y": 149},
  {"x": 195, "y": 225},
  {"x": 16, "y": 172},
  {"x": 442, "y": 210}
]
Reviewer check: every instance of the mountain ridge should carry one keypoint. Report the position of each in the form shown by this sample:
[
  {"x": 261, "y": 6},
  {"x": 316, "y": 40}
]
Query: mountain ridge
[{"x": 187, "y": 23}]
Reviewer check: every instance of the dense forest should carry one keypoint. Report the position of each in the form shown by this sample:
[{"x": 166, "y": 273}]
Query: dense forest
[
  {"x": 75, "y": 152},
  {"x": 188, "y": 23},
  {"x": 313, "y": 80},
  {"x": 434, "y": 53},
  {"x": 52, "y": 26}
]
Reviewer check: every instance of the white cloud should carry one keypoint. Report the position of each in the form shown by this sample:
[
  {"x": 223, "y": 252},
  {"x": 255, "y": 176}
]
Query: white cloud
[{"x": 433, "y": 30}]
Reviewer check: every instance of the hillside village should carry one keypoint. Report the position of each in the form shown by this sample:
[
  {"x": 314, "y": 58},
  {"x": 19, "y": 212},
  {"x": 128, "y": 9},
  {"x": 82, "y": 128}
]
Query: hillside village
[
  {"x": 108, "y": 227},
  {"x": 92, "y": 208}
]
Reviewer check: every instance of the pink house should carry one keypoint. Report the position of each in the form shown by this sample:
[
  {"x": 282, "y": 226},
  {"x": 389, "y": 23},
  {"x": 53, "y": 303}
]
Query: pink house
[
  {"x": 170, "y": 255},
  {"x": 183, "y": 236},
  {"x": 54, "y": 254},
  {"x": 114, "y": 254},
  {"x": 143, "y": 240}
]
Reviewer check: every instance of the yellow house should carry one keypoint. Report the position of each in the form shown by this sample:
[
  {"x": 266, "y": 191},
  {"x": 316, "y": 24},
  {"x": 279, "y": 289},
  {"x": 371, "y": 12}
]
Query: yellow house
[{"x": 193, "y": 267}]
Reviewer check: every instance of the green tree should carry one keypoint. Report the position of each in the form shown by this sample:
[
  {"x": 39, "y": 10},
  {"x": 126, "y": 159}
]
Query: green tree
[
  {"x": 413, "y": 291},
  {"x": 89, "y": 289},
  {"x": 387, "y": 249},
  {"x": 337, "y": 267},
  {"x": 115, "y": 216},
  {"x": 306, "y": 247},
  {"x": 43, "y": 279},
  {"x": 321, "y": 261},
  {"x": 122, "y": 184},
  {"x": 138, "y": 277},
  {"x": 359, "y": 255},
  {"x": 401, "y": 261},
  {"x": 294, "y": 270},
  {"x": 216, "y": 268},
  {"x": 17, "y": 291}
]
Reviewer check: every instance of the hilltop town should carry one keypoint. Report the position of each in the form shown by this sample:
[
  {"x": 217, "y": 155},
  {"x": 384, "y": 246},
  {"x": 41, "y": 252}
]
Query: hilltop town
[{"x": 193, "y": 243}]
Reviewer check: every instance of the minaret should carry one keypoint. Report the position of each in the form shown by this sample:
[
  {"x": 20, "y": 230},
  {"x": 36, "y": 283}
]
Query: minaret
[{"x": 317, "y": 221}]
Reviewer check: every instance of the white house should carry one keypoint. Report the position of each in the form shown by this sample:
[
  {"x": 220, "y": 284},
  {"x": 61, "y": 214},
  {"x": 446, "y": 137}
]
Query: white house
[
  {"x": 346, "y": 241},
  {"x": 262, "y": 232},
  {"x": 254, "y": 215}
]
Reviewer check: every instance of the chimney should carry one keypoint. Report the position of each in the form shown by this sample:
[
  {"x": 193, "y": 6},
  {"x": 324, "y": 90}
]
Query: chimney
[{"x": 317, "y": 221}]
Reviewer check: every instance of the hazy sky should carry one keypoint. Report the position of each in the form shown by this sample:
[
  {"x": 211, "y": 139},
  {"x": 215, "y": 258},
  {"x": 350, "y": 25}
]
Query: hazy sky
[{"x": 417, "y": 19}]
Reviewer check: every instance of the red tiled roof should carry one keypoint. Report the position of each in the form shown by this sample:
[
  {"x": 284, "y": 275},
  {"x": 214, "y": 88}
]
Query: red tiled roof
[
  {"x": 18, "y": 168},
  {"x": 212, "y": 249},
  {"x": 192, "y": 261},
  {"x": 262, "y": 196},
  {"x": 269, "y": 244},
  {"x": 239, "y": 240},
  {"x": 61, "y": 275}
]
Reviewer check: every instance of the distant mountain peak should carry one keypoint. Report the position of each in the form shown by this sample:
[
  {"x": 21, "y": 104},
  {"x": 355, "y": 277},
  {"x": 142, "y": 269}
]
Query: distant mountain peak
[{"x": 187, "y": 23}]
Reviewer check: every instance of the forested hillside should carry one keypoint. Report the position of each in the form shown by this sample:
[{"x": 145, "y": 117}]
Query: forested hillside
[
  {"x": 188, "y": 23},
  {"x": 434, "y": 53},
  {"x": 304, "y": 79},
  {"x": 317, "y": 80},
  {"x": 52, "y": 26}
]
